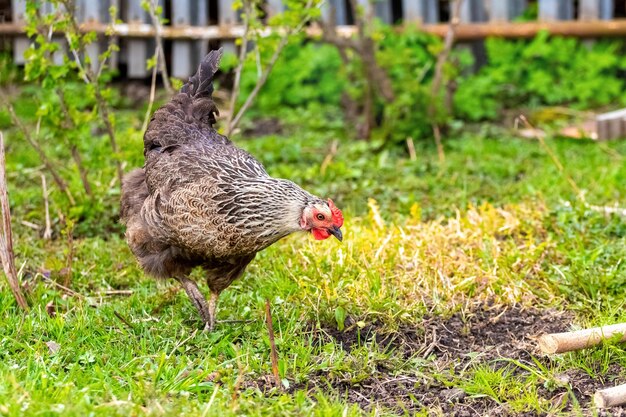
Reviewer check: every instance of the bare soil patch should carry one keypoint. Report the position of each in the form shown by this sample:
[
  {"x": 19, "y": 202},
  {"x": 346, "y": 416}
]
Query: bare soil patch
[{"x": 486, "y": 336}]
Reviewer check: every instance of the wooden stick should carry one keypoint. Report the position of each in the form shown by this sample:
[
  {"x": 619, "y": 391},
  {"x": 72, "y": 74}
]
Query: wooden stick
[
  {"x": 273, "y": 353},
  {"x": 580, "y": 339},
  {"x": 411, "y": 146},
  {"x": 6, "y": 237},
  {"x": 47, "y": 233},
  {"x": 610, "y": 397}
]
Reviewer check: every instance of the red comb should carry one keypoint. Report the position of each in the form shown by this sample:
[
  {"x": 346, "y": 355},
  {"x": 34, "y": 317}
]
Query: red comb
[{"x": 337, "y": 215}]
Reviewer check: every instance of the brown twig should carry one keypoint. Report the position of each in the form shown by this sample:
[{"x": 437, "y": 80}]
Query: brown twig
[
  {"x": 329, "y": 156},
  {"x": 30, "y": 224},
  {"x": 60, "y": 182},
  {"x": 146, "y": 118},
  {"x": 65, "y": 289},
  {"x": 47, "y": 233},
  {"x": 442, "y": 58},
  {"x": 273, "y": 352},
  {"x": 117, "y": 292},
  {"x": 6, "y": 236},
  {"x": 158, "y": 38},
  {"x": 239, "y": 69},
  {"x": 123, "y": 320},
  {"x": 69, "y": 262},
  {"x": 240, "y": 378}
]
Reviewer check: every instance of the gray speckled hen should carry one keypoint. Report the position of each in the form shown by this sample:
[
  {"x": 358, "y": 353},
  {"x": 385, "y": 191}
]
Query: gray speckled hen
[{"x": 199, "y": 201}]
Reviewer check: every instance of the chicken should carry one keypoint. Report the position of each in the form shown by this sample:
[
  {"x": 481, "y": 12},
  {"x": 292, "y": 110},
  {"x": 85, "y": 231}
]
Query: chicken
[{"x": 199, "y": 201}]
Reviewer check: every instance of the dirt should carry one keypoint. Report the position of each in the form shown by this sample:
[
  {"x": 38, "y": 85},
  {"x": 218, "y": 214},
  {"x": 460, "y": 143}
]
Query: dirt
[{"x": 448, "y": 347}]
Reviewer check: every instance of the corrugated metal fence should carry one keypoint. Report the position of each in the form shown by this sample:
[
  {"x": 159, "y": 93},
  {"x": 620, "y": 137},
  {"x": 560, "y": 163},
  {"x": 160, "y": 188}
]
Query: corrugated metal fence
[{"x": 192, "y": 25}]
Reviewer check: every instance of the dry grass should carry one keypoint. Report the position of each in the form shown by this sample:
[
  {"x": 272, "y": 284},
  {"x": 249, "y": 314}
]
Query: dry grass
[{"x": 485, "y": 255}]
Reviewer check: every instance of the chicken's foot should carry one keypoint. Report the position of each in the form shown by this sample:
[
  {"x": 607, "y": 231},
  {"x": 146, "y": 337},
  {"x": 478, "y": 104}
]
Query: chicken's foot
[{"x": 206, "y": 311}]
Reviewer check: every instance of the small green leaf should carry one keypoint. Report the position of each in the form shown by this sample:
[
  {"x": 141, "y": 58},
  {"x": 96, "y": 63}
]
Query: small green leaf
[{"x": 340, "y": 317}]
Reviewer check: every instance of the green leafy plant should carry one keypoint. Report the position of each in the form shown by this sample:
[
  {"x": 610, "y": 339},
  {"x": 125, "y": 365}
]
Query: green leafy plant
[
  {"x": 547, "y": 70},
  {"x": 307, "y": 74},
  {"x": 269, "y": 37},
  {"x": 73, "y": 110},
  {"x": 409, "y": 59}
]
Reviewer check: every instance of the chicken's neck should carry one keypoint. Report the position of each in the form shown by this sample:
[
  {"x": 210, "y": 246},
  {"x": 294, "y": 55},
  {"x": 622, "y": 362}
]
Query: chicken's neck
[{"x": 275, "y": 207}]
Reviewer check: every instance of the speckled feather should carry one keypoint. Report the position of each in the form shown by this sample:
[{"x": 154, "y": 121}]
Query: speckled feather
[{"x": 199, "y": 200}]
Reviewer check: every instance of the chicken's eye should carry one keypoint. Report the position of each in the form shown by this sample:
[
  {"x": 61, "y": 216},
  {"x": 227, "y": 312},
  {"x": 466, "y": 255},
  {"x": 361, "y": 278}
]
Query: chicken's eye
[{"x": 320, "y": 216}]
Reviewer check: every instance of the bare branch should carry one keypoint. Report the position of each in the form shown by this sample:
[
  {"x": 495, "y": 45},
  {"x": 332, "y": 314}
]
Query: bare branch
[
  {"x": 124, "y": 320},
  {"x": 6, "y": 237},
  {"x": 242, "y": 57},
  {"x": 442, "y": 58},
  {"x": 273, "y": 352},
  {"x": 146, "y": 119},
  {"x": 158, "y": 38},
  {"x": 47, "y": 233},
  {"x": 90, "y": 78},
  {"x": 268, "y": 69}
]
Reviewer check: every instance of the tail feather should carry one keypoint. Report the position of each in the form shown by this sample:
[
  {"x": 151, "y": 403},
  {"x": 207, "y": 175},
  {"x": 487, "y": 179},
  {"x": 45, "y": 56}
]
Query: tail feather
[
  {"x": 201, "y": 83},
  {"x": 192, "y": 108}
]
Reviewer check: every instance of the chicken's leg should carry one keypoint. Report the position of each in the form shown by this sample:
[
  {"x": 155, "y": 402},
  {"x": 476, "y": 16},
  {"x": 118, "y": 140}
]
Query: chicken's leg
[
  {"x": 212, "y": 306},
  {"x": 206, "y": 311}
]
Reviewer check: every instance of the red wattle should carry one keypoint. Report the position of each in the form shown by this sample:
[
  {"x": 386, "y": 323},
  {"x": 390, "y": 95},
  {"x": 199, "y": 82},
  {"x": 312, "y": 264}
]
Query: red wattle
[{"x": 320, "y": 234}]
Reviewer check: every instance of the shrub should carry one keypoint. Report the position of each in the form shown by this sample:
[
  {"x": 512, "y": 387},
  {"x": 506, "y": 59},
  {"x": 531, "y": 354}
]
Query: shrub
[{"x": 547, "y": 70}]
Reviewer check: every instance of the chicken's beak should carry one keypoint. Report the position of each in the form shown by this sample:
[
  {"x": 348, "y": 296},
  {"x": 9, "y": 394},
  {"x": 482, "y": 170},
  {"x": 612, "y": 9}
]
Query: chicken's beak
[{"x": 335, "y": 231}]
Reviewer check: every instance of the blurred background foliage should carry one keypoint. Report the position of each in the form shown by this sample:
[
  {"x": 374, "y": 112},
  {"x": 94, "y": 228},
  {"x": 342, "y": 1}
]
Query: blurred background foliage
[{"x": 301, "y": 112}]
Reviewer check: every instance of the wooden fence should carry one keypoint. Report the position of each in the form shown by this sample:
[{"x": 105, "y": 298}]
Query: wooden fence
[{"x": 193, "y": 25}]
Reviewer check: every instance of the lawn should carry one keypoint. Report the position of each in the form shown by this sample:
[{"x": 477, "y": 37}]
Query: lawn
[{"x": 428, "y": 307}]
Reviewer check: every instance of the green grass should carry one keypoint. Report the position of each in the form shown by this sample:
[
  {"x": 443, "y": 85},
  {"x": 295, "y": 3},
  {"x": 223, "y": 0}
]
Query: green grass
[{"x": 495, "y": 225}]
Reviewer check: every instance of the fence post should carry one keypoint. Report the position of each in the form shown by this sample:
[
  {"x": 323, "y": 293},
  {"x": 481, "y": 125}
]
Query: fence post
[
  {"x": 61, "y": 52},
  {"x": 595, "y": 9},
  {"x": 199, "y": 17},
  {"x": 115, "y": 55},
  {"x": 274, "y": 7},
  {"x": 424, "y": 11},
  {"x": 382, "y": 9},
  {"x": 472, "y": 11},
  {"x": 181, "y": 49},
  {"x": 137, "y": 49},
  {"x": 20, "y": 43},
  {"x": 89, "y": 11},
  {"x": 506, "y": 10},
  {"x": 227, "y": 17},
  {"x": 338, "y": 7},
  {"x": 556, "y": 10}
]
